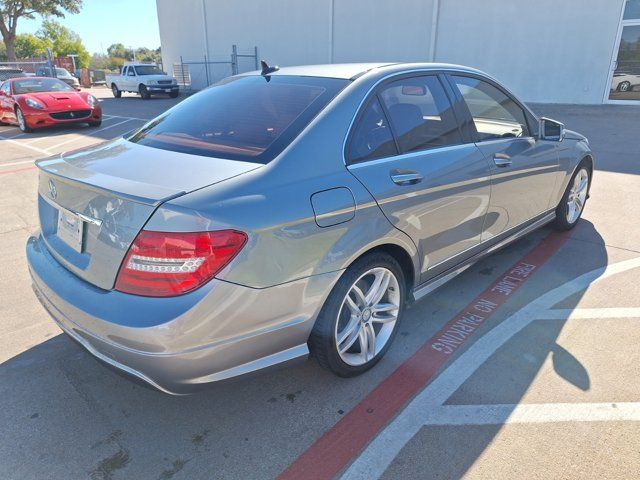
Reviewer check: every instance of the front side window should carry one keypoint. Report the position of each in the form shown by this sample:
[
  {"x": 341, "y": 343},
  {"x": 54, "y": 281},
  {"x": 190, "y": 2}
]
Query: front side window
[
  {"x": 250, "y": 118},
  {"x": 420, "y": 113},
  {"x": 372, "y": 137},
  {"x": 495, "y": 114},
  {"x": 5, "y": 88}
]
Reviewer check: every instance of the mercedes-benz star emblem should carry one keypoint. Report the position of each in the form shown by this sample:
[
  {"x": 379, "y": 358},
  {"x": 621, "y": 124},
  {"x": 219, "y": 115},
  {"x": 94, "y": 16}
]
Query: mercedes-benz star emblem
[{"x": 52, "y": 189}]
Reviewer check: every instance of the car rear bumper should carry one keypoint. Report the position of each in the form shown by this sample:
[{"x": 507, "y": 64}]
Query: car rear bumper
[{"x": 178, "y": 344}]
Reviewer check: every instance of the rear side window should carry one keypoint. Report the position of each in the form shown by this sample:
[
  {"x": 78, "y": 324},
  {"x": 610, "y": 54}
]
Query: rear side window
[
  {"x": 372, "y": 137},
  {"x": 495, "y": 114},
  {"x": 420, "y": 114},
  {"x": 249, "y": 118}
]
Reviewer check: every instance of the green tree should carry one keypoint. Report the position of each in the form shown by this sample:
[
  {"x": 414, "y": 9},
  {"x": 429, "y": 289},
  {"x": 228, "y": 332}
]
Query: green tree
[
  {"x": 28, "y": 46},
  {"x": 12, "y": 10},
  {"x": 3, "y": 52},
  {"x": 64, "y": 42},
  {"x": 118, "y": 50},
  {"x": 148, "y": 55}
]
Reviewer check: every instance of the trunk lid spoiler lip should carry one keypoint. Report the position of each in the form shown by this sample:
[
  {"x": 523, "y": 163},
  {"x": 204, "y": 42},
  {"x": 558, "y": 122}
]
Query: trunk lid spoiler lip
[
  {"x": 156, "y": 195},
  {"x": 142, "y": 192}
]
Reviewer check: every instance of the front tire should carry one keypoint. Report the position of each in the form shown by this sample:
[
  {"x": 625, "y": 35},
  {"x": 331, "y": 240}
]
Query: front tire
[
  {"x": 144, "y": 93},
  {"x": 116, "y": 92},
  {"x": 174, "y": 94},
  {"x": 360, "y": 318},
  {"x": 570, "y": 209},
  {"x": 22, "y": 122},
  {"x": 95, "y": 124}
]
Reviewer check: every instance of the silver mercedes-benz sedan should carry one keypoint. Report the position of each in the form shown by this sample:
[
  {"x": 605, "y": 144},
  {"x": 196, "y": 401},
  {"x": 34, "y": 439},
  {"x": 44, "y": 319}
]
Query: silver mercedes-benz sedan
[{"x": 292, "y": 211}]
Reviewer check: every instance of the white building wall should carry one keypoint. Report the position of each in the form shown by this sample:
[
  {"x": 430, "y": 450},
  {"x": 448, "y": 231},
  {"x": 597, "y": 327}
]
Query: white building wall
[{"x": 544, "y": 50}]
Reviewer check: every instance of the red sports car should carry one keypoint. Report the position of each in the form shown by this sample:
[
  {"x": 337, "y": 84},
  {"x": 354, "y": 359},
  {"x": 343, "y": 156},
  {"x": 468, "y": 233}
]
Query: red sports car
[{"x": 36, "y": 102}]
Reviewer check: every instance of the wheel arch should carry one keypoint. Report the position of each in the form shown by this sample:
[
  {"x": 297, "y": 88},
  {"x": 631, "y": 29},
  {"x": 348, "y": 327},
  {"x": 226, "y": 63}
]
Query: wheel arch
[{"x": 401, "y": 255}]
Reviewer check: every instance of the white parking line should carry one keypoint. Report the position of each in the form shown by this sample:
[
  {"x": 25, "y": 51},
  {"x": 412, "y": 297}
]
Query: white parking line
[
  {"x": 62, "y": 133},
  {"x": 533, "y": 413},
  {"x": 53, "y": 147},
  {"x": 376, "y": 458},
  {"x": 130, "y": 118},
  {"x": 569, "y": 314},
  {"x": 30, "y": 147},
  {"x": 12, "y": 164}
]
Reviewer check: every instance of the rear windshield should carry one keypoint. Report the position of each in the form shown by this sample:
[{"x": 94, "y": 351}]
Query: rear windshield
[
  {"x": 251, "y": 118},
  {"x": 34, "y": 85}
]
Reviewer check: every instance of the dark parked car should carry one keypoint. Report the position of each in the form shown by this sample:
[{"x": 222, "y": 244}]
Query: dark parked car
[{"x": 60, "y": 73}]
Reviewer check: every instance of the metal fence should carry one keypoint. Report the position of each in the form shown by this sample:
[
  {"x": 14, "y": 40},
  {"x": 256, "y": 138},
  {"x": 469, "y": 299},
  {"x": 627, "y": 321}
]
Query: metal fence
[
  {"x": 29, "y": 67},
  {"x": 198, "y": 74}
]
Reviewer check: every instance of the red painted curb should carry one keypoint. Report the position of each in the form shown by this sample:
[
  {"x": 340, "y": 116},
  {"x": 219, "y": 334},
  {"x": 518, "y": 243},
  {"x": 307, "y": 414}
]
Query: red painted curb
[
  {"x": 339, "y": 446},
  {"x": 6, "y": 172}
]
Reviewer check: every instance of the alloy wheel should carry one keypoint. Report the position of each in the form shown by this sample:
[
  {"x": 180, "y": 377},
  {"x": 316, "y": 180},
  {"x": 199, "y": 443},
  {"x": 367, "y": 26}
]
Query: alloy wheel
[
  {"x": 367, "y": 316},
  {"x": 21, "y": 122},
  {"x": 577, "y": 195}
]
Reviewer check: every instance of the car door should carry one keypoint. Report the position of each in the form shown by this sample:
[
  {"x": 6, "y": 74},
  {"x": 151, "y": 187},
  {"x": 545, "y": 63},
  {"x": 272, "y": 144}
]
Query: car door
[
  {"x": 523, "y": 168},
  {"x": 127, "y": 78},
  {"x": 430, "y": 182}
]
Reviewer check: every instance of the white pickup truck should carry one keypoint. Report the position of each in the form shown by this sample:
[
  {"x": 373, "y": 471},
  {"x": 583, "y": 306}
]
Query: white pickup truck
[{"x": 145, "y": 79}]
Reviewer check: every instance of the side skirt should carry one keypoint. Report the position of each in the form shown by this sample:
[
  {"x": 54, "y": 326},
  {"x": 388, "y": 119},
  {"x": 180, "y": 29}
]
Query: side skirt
[{"x": 439, "y": 280}]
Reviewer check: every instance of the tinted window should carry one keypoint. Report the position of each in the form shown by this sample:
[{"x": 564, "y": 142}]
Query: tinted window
[
  {"x": 420, "y": 113},
  {"x": 372, "y": 137},
  {"x": 40, "y": 84},
  {"x": 148, "y": 70},
  {"x": 495, "y": 114},
  {"x": 249, "y": 118}
]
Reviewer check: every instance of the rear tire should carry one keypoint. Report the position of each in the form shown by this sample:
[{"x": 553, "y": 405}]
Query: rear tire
[
  {"x": 570, "y": 209},
  {"x": 116, "y": 92},
  {"x": 144, "y": 93},
  {"x": 360, "y": 318},
  {"x": 22, "y": 122}
]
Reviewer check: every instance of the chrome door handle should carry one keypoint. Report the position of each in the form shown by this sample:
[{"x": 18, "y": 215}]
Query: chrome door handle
[
  {"x": 405, "y": 178},
  {"x": 501, "y": 160}
]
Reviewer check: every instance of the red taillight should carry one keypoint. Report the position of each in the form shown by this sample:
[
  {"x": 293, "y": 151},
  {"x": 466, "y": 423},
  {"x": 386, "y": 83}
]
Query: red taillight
[{"x": 165, "y": 264}]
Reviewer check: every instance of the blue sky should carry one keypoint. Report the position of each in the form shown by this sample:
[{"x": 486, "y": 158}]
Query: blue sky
[{"x": 100, "y": 23}]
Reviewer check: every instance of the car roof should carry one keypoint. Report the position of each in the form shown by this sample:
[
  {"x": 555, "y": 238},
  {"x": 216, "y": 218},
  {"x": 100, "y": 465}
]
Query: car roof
[{"x": 350, "y": 71}]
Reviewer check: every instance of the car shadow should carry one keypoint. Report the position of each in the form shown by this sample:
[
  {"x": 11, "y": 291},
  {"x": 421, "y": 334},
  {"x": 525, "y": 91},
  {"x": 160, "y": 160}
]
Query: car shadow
[
  {"x": 508, "y": 376},
  {"x": 69, "y": 417}
]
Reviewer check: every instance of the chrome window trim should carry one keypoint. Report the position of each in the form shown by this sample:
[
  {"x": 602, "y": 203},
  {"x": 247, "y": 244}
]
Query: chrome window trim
[{"x": 403, "y": 156}]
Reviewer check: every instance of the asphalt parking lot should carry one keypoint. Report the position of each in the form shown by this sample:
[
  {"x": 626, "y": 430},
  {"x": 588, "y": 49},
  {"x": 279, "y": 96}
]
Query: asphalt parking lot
[{"x": 546, "y": 386}]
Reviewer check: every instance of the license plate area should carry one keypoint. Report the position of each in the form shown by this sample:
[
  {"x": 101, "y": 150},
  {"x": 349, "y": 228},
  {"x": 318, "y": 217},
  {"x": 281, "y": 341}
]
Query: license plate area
[
  {"x": 70, "y": 229},
  {"x": 167, "y": 90}
]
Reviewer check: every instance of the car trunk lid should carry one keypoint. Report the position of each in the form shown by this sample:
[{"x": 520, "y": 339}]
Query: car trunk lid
[{"x": 92, "y": 203}]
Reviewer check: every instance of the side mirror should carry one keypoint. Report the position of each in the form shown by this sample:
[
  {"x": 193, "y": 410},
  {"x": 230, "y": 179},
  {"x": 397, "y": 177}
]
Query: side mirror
[
  {"x": 551, "y": 130},
  {"x": 77, "y": 89}
]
